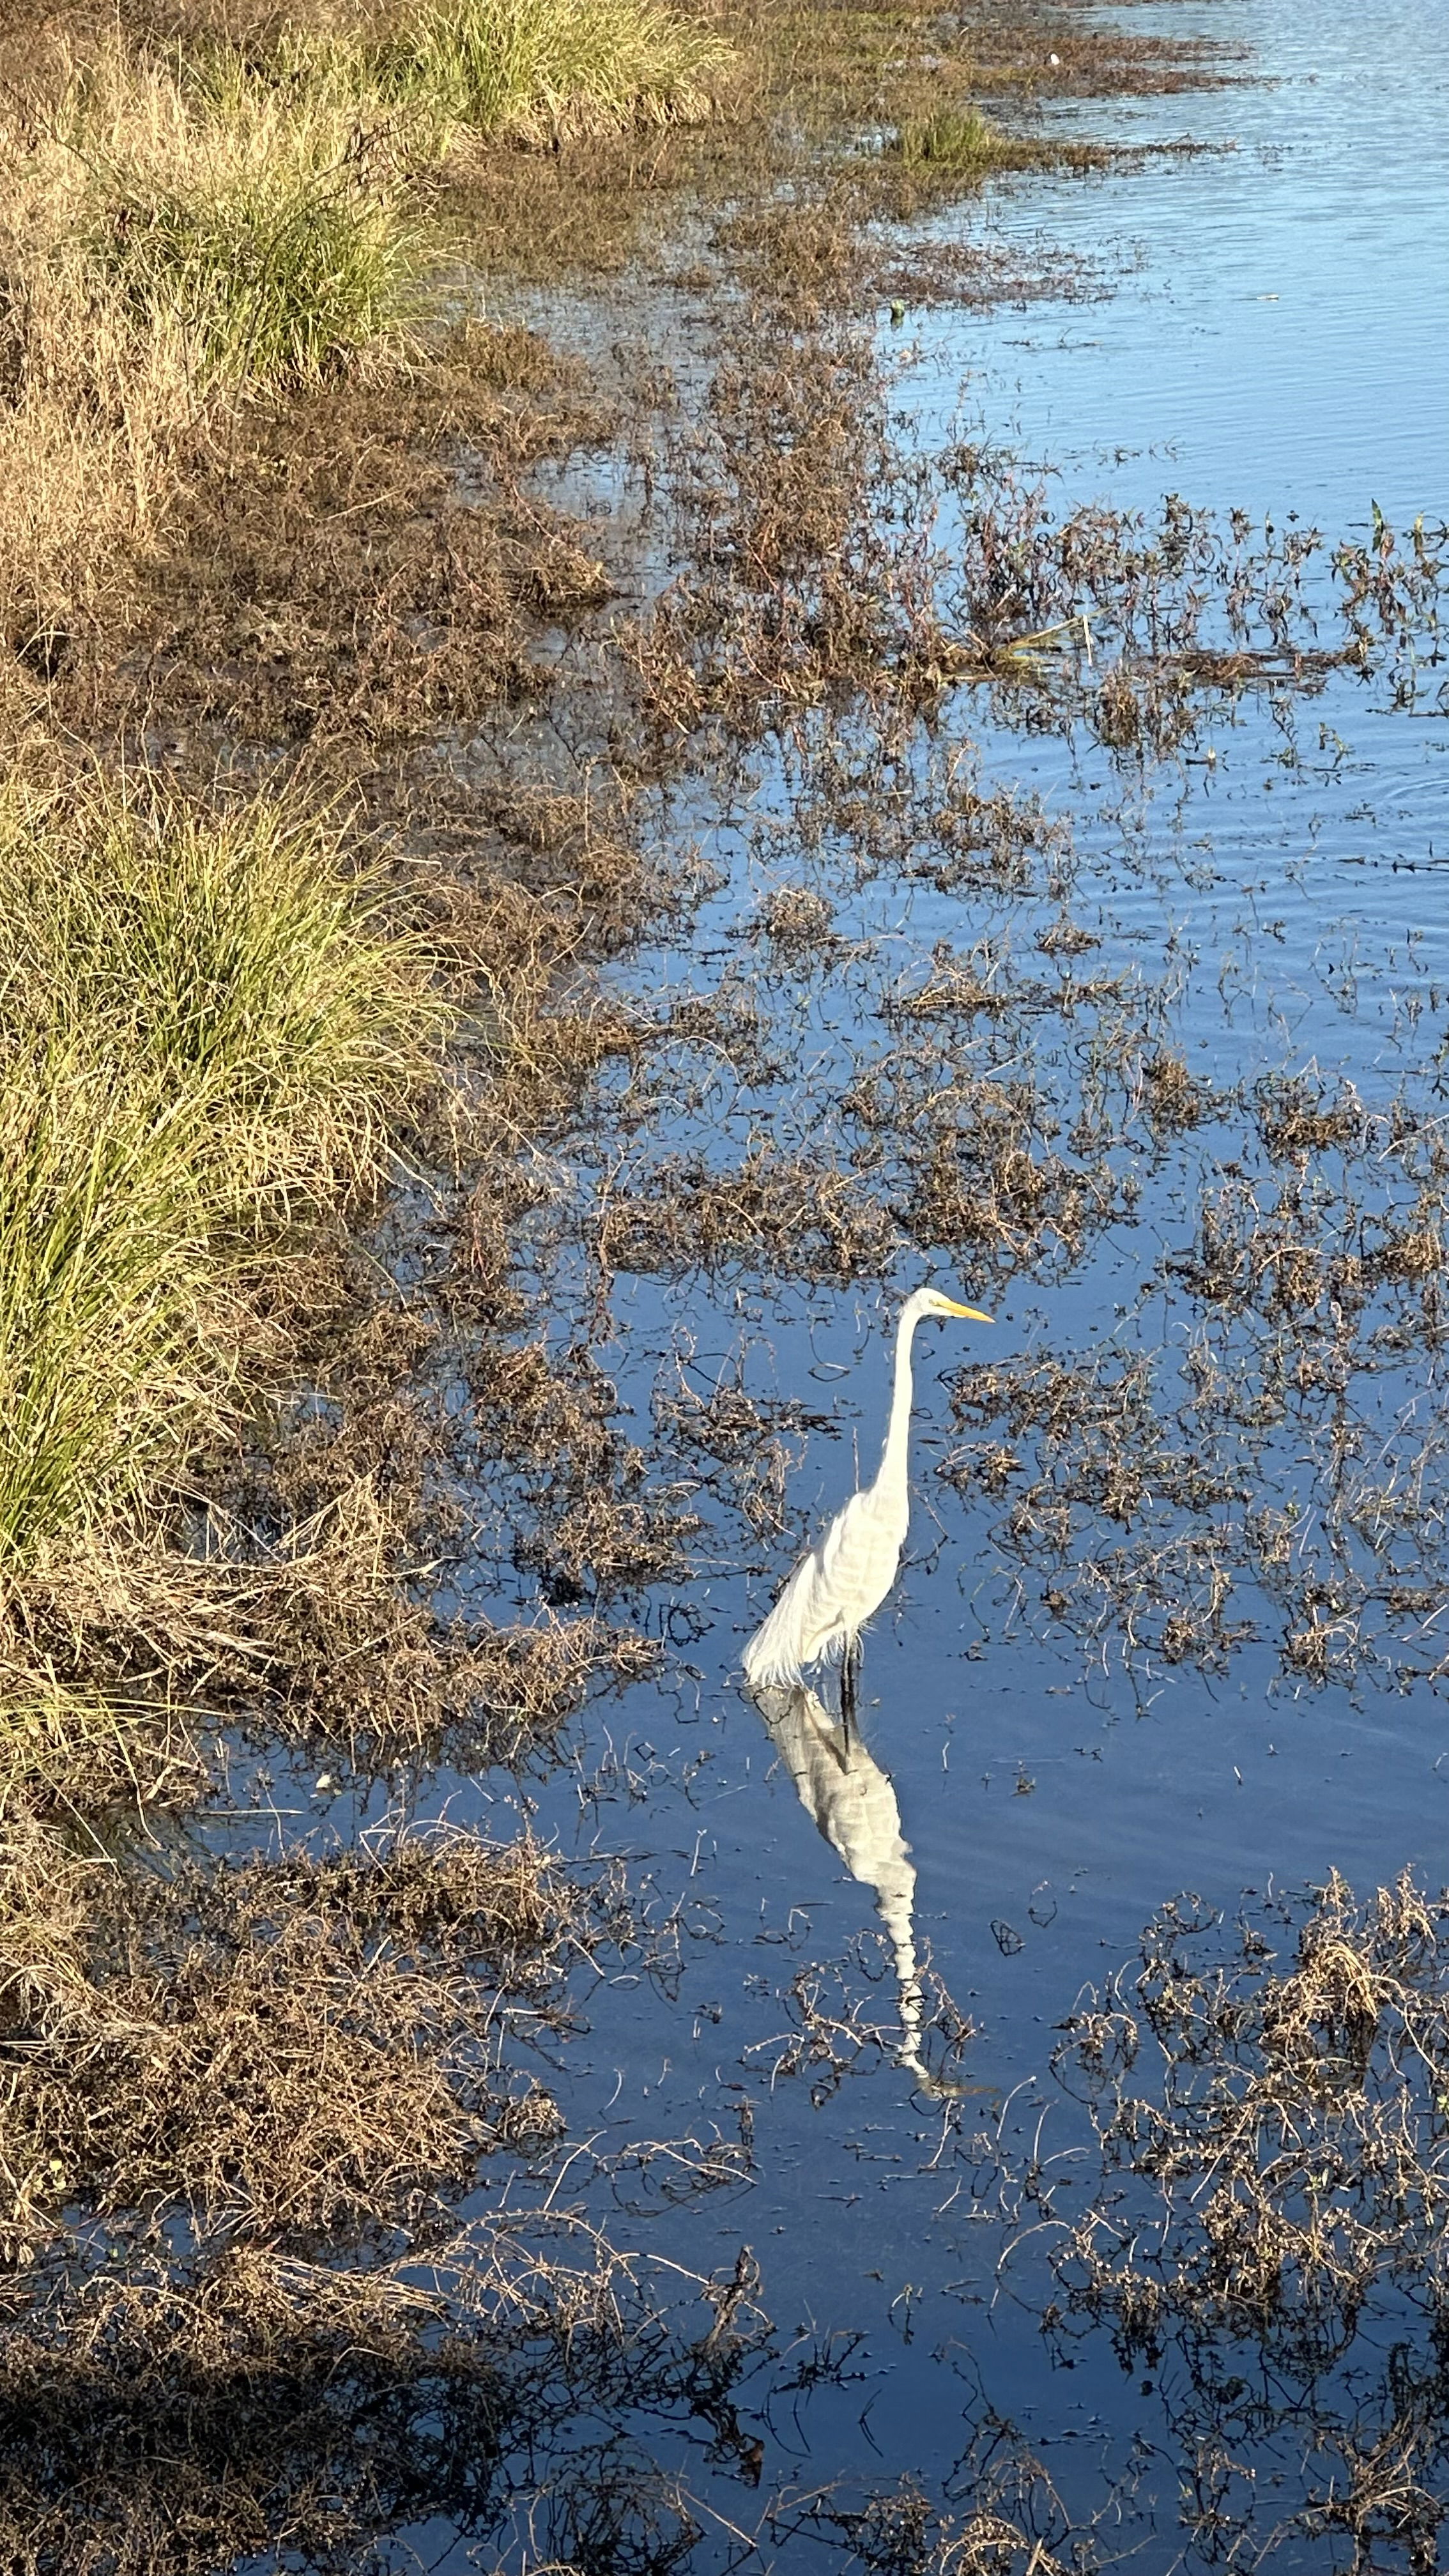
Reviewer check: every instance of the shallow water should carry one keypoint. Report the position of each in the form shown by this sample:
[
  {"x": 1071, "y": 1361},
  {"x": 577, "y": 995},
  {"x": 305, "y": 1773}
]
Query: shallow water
[{"x": 1268, "y": 898}]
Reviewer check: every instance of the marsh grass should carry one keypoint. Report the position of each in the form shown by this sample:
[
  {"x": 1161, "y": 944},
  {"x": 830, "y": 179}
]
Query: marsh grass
[
  {"x": 266, "y": 219},
  {"x": 959, "y": 140},
  {"x": 102, "y": 1268},
  {"x": 157, "y": 252},
  {"x": 805, "y": 1221},
  {"x": 205, "y": 1028},
  {"x": 186, "y": 225},
  {"x": 538, "y": 69},
  {"x": 94, "y": 432},
  {"x": 234, "y": 957}
]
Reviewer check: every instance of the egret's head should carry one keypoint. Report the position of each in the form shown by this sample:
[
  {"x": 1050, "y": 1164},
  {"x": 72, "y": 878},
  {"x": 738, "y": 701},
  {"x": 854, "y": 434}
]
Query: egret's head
[{"x": 933, "y": 1303}]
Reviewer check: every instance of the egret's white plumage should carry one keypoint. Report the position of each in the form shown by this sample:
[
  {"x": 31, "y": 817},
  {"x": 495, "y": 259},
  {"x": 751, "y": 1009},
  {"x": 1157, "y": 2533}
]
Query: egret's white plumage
[{"x": 849, "y": 1571}]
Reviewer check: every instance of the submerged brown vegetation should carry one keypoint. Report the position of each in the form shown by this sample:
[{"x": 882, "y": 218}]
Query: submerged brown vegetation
[{"x": 1269, "y": 2111}]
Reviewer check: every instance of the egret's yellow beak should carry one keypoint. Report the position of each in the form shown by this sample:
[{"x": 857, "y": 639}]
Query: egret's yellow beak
[{"x": 972, "y": 1314}]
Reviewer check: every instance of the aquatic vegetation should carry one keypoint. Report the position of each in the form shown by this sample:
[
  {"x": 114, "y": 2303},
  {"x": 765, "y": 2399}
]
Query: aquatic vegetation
[
  {"x": 320, "y": 2335},
  {"x": 774, "y": 1208},
  {"x": 960, "y": 140},
  {"x": 1267, "y": 2105},
  {"x": 1295, "y": 2147},
  {"x": 826, "y": 559}
]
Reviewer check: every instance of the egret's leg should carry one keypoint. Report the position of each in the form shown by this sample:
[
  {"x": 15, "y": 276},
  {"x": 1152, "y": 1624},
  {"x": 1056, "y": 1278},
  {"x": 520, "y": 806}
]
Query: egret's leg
[{"x": 849, "y": 1676}]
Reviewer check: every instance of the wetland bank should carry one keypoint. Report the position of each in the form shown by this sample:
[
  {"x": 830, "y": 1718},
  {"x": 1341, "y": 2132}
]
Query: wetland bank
[{"x": 665, "y": 674}]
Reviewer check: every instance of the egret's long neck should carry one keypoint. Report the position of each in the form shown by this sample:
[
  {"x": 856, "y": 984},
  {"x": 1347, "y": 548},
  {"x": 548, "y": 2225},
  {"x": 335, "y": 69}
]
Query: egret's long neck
[{"x": 892, "y": 1477}]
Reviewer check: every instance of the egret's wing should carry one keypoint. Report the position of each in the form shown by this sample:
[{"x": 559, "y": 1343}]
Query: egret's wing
[
  {"x": 832, "y": 1591},
  {"x": 859, "y": 1555},
  {"x": 790, "y": 1637}
]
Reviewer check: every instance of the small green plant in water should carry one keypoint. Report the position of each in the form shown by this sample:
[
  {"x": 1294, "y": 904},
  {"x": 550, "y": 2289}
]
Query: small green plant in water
[{"x": 954, "y": 139}]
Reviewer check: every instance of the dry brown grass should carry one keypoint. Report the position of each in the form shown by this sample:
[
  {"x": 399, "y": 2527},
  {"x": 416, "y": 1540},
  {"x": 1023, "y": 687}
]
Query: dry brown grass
[
  {"x": 754, "y": 1445},
  {"x": 986, "y": 1180},
  {"x": 327, "y": 583},
  {"x": 1264, "y": 2219},
  {"x": 115, "y": 417},
  {"x": 107, "y": 404},
  {"x": 798, "y": 925},
  {"x": 325, "y": 1636},
  {"x": 794, "y": 1218},
  {"x": 1014, "y": 2524},
  {"x": 166, "y": 2037}
]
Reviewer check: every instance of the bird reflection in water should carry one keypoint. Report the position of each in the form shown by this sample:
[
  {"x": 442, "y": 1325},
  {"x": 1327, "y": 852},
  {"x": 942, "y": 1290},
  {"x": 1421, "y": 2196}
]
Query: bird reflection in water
[{"x": 854, "y": 1805}]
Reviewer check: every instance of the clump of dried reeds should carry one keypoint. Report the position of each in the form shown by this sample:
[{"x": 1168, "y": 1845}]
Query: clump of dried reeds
[
  {"x": 1011, "y": 2519},
  {"x": 325, "y": 1636},
  {"x": 168, "y": 2031},
  {"x": 1265, "y": 2230},
  {"x": 1281, "y": 2119}
]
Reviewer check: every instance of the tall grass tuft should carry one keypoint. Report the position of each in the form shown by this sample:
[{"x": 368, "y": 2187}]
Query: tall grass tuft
[
  {"x": 264, "y": 218},
  {"x": 94, "y": 419},
  {"x": 206, "y": 1025},
  {"x": 234, "y": 960},
  {"x": 102, "y": 1274},
  {"x": 956, "y": 141},
  {"x": 536, "y": 67}
]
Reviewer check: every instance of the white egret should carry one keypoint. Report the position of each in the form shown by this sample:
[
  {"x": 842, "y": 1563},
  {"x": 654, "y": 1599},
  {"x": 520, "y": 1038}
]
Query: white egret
[{"x": 849, "y": 1571}]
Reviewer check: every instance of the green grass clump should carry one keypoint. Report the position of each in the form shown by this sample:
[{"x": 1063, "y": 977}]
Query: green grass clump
[
  {"x": 279, "y": 280},
  {"x": 205, "y": 1027},
  {"x": 230, "y": 960},
  {"x": 956, "y": 140},
  {"x": 262, "y": 218},
  {"x": 102, "y": 1269},
  {"x": 535, "y": 67}
]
